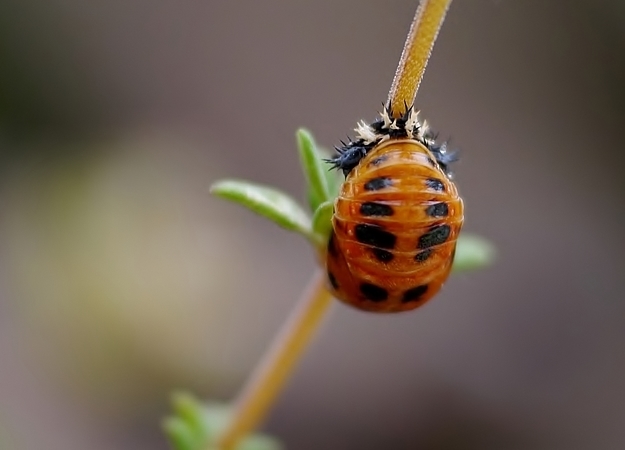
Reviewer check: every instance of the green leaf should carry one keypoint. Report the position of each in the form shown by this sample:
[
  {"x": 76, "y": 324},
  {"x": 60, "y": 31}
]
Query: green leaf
[
  {"x": 259, "y": 442},
  {"x": 179, "y": 433},
  {"x": 197, "y": 426},
  {"x": 314, "y": 169},
  {"x": 192, "y": 412},
  {"x": 472, "y": 253},
  {"x": 334, "y": 177},
  {"x": 268, "y": 202},
  {"x": 217, "y": 416},
  {"x": 322, "y": 222}
]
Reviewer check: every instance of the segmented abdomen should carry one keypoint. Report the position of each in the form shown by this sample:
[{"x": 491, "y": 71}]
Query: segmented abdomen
[{"x": 395, "y": 226}]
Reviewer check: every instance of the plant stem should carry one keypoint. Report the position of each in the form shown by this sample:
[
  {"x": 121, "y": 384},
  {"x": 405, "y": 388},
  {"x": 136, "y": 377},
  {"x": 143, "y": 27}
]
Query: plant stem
[
  {"x": 278, "y": 363},
  {"x": 417, "y": 49}
]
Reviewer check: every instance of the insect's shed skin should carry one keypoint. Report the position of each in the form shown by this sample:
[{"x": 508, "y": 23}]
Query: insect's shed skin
[{"x": 394, "y": 229}]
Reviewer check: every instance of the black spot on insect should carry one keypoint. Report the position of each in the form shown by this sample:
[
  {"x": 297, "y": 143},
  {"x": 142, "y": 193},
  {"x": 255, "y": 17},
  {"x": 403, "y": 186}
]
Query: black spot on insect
[
  {"x": 375, "y": 184},
  {"x": 382, "y": 255},
  {"x": 414, "y": 294},
  {"x": 435, "y": 184},
  {"x": 437, "y": 235},
  {"x": 379, "y": 160},
  {"x": 374, "y": 235},
  {"x": 332, "y": 250},
  {"x": 373, "y": 292},
  {"x": 332, "y": 280},
  {"x": 438, "y": 210},
  {"x": 423, "y": 255},
  {"x": 431, "y": 162},
  {"x": 375, "y": 209}
]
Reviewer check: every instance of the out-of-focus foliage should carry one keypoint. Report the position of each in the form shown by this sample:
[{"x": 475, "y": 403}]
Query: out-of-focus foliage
[
  {"x": 120, "y": 274},
  {"x": 196, "y": 426},
  {"x": 473, "y": 252}
]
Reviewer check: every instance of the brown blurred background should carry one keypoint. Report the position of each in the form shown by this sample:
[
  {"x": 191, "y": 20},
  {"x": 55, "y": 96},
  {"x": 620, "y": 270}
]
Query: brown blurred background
[{"x": 123, "y": 279}]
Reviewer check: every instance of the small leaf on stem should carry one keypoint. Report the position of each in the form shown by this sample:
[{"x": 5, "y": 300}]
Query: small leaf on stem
[
  {"x": 334, "y": 177},
  {"x": 259, "y": 442},
  {"x": 197, "y": 426},
  {"x": 322, "y": 222},
  {"x": 313, "y": 167},
  {"x": 472, "y": 253},
  {"x": 192, "y": 412},
  {"x": 179, "y": 433},
  {"x": 268, "y": 202}
]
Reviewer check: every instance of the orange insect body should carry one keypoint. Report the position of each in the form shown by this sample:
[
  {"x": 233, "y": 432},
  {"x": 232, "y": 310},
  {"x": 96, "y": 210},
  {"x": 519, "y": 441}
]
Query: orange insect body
[{"x": 395, "y": 224}]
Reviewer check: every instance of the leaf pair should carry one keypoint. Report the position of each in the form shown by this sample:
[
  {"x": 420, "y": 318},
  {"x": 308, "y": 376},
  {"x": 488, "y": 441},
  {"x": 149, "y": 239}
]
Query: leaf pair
[
  {"x": 195, "y": 426},
  {"x": 281, "y": 208},
  {"x": 322, "y": 186}
]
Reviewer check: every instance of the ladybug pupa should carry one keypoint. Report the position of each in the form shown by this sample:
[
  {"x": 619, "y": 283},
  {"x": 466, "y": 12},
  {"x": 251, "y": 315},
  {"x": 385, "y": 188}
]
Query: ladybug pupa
[{"x": 397, "y": 216}]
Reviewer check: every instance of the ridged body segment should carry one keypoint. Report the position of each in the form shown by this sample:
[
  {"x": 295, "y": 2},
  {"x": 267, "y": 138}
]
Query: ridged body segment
[{"x": 395, "y": 225}]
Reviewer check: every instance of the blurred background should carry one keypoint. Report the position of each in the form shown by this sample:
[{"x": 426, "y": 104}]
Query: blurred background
[{"x": 122, "y": 279}]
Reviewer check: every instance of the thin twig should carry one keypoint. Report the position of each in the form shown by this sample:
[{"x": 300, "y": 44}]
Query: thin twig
[
  {"x": 417, "y": 49},
  {"x": 277, "y": 364}
]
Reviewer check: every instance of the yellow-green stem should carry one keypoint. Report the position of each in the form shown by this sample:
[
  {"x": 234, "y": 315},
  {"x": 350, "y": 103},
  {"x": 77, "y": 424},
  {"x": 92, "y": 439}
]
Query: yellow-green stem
[
  {"x": 278, "y": 363},
  {"x": 417, "y": 49}
]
